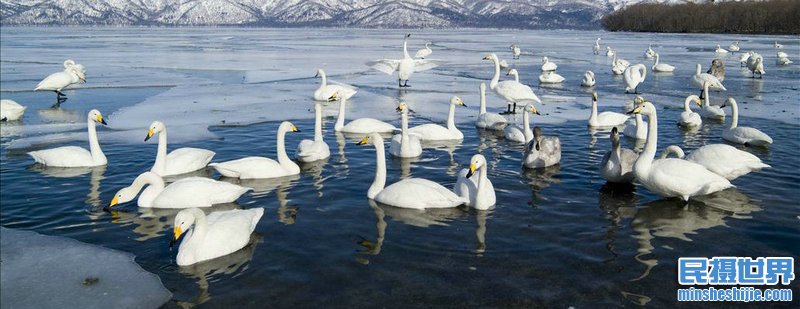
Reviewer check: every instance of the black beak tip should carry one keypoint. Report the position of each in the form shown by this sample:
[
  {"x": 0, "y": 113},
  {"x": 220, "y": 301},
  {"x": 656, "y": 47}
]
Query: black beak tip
[
  {"x": 146, "y": 138},
  {"x": 103, "y": 121},
  {"x": 469, "y": 174},
  {"x": 107, "y": 209}
]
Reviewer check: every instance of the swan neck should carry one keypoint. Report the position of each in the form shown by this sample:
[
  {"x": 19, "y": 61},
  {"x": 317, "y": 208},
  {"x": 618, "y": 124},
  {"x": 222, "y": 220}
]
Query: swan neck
[
  {"x": 94, "y": 144},
  {"x": 483, "y": 100},
  {"x": 496, "y": 77},
  {"x": 593, "y": 115},
  {"x": 642, "y": 165},
  {"x": 340, "y": 118},
  {"x": 656, "y": 59},
  {"x": 160, "y": 166},
  {"x": 324, "y": 81},
  {"x": 686, "y": 105},
  {"x": 526, "y": 123},
  {"x": 380, "y": 170},
  {"x": 405, "y": 48},
  {"x": 706, "y": 100},
  {"x": 317, "y": 123},
  {"x": 155, "y": 185},
  {"x": 200, "y": 225},
  {"x": 451, "y": 117},
  {"x": 283, "y": 159},
  {"x": 404, "y": 129},
  {"x": 735, "y": 112}
]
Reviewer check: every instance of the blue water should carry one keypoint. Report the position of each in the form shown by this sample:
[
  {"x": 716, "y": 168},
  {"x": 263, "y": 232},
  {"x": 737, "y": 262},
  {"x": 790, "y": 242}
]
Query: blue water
[{"x": 557, "y": 237}]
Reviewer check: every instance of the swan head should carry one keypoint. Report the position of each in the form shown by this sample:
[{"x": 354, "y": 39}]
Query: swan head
[
  {"x": 594, "y": 97},
  {"x": 512, "y": 72},
  {"x": 287, "y": 127},
  {"x": 333, "y": 97},
  {"x": 155, "y": 128},
  {"x": 476, "y": 162},
  {"x": 545, "y": 59},
  {"x": 644, "y": 108},
  {"x": 373, "y": 138},
  {"x": 401, "y": 107},
  {"x": 96, "y": 116},
  {"x": 729, "y": 102},
  {"x": 320, "y": 72},
  {"x": 455, "y": 100},
  {"x": 615, "y": 137},
  {"x": 68, "y": 63},
  {"x": 532, "y": 109},
  {"x": 408, "y": 35},
  {"x": 122, "y": 196},
  {"x": 183, "y": 221},
  {"x": 694, "y": 98},
  {"x": 490, "y": 57}
]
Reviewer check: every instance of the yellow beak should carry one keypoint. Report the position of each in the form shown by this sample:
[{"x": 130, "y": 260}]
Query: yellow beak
[
  {"x": 699, "y": 103},
  {"x": 114, "y": 201},
  {"x": 176, "y": 232},
  {"x": 294, "y": 129},
  {"x": 100, "y": 119},
  {"x": 471, "y": 170},
  {"x": 363, "y": 141}
]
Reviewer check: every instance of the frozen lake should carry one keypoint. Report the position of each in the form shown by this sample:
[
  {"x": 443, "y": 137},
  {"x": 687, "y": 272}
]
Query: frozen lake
[{"x": 557, "y": 237}]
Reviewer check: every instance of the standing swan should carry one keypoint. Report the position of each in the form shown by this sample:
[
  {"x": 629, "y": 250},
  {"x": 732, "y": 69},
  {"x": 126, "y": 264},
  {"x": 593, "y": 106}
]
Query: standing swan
[
  {"x": 541, "y": 151},
  {"x": 688, "y": 117},
  {"x": 435, "y": 132},
  {"x": 588, "y": 79},
  {"x": 521, "y": 134},
  {"x": 73, "y": 156},
  {"x": 708, "y": 110},
  {"x": 360, "y": 125},
  {"x": 699, "y": 79},
  {"x": 743, "y": 135},
  {"x": 511, "y": 91},
  {"x": 11, "y": 110},
  {"x": 55, "y": 82},
  {"x": 610, "y": 52},
  {"x": 425, "y": 52},
  {"x": 489, "y": 121},
  {"x": 596, "y": 47},
  {"x": 734, "y": 47},
  {"x": 478, "y": 192},
  {"x": 671, "y": 177},
  {"x": 414, "y": 193},
  {"x": 332, "y": 92},
  {"x": 405, "y": 145},
  {"x": 404, "y": 67},
  {"x": 634, "y": 75},
  {"x": 218, "y": 234},
  {"x": 605, "y": 119},
  {"x": 720, "y": 50},
  {"x": 756, "y": 65},
  {"x": 310, "y": 151},
  {"x": 515, "y": 51},
  {"x": 662, "y": 67},
  {"x": 261, "y": 167},
  {"x": 617, "y": 164},
  {"x": 179, "y": 161},
  {"x": 184, "y": 193}
]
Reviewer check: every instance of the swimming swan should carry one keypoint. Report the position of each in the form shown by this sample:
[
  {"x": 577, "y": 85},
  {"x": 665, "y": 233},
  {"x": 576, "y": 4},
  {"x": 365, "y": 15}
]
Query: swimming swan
[
  {"x": 588, "y": 79},
  {"x": 414, "y": 193},
  {"x": 610, "y": 52},
  {"x": 73, "y": 156},
  {"x": 515, "y": 51},
  {"x": 11, "y": 110},
  {"x": 521, "y": 134},
  {"x": 634, "y": 75},
  {"x": 541, "y": 151},
  {"x": 743, "y": 135},
  {"x": 405, "y": 144},
  {"x": 360, "y": 125},
  {"x": 179, "y": 161},
  {"x": 547, "y": 65},
  {"x": 476, "y": 188},
  {"x": 688, "y": 117},
  {"x": 310, "y": 151},
  {"x": 618, "y": 66},
  {"x": 551, "y": 77},
  {"x": 708, "y": 110},
  {"x": 605, "y": 119},
  {"x": 184, "y": 193},
  {"x": 404, "y": 67},
  {"x": 332, "y": 92},
  {"x": 756, "y": 65},
  {"x": 435, "y": 132},
  {"x": 218, "y": 234},
  {"x": 261, "y": 167},
  {"x": 638, "y": 130},
  {"x": 617, "y": 163},
  {"x": 734, "y": 47},
  {"x": 720, "y": 50},
  {"x": 596, "y": 47},
  {"x": 425, "y": 52},
  {"x": 726, "y": 160},
  {"x": 56, "y": 82},
  {"x": 649, "y": 53},
  {"x": 671, "y": 177},
  {"x": 489, "y": 121},
  {"x": 511, "y": 91},
  {"x": 662, "y": 67},
  {"x": 699, "y": 79}
]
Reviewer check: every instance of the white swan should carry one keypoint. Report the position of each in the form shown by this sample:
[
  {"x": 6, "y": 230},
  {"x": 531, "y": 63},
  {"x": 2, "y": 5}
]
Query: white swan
[
  {"x": 405, "y": 145},
  {"x": 720, "y": 50},
  {"x": 609, "y": 52},
  {"x": 649, "y": 53},
  {"x": 310, "y": 151},
  {"x": 415, "y": 193},
  {"x": 11, "y": 110},
  {"x": 708, "y": 110},
  {"x": 511, "y": 91},
  {"x": 726, "y": 160},
  {"x": 332, "y": 92},
  {"x": 671, "y": 177},
  {"x": 618, "y": 66},
  {"x": 478, "y": 192},
  {"x": 596, "y": 47},
  {"x": 781, "y": 54},
  {"x": 404, "y": 67},
  {"x": 360, "y": 125},
  {"x": 605, "y": 119},
  {"x": 744, "y": 58},
  {"x": 617, "y": 163},
  {"x": 547, "y": 65},
  {"x": 515, "y": 51},
  {"x": 435, "y": 132},
  {"x": 56, "y": 82},
  {"x": 513, "y": 73},
  {"x": 503, "y": 64},
  {"x": 486, "y": 120},
  {"x": 734, "y": 47},
  {"x": 73, "y": 156},
  {"x": 521, "y": 134},
  {"x": 672, "y": 149},
  {"x": 638, "y": 130},
  {"x": 184, "y": 193},
  {"x": 688, "y": 117},
  {"x": 699, "y": 78},
  {"x": 541, "y": 151},
  {"x": 551, "y": 77},
  {"x": 425, "y": 52},
  {"x": 179, "y": 161},
  {"x": 756, "y": 65},
  {"x": 261, "y": 167},
  {"x": 743, "y": 135},
  {"x": 218, "y": 234},
  {"x": 778, "y": 46},
  {"x": 662, "y": 67},
  {"x": 783, "y": 60},
  {"x": 588, "y": 79},
  {"x": 634, "y": 75}
]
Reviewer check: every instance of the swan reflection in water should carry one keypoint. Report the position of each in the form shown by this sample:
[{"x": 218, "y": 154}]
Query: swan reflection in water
[
  {"x": 96, "y": 176},
  {"x": 210, "y": 271},
  {"x": 281, "y": 185},
  {"x": 314, "y": 169},
  {"x": 541, "y": 178}
]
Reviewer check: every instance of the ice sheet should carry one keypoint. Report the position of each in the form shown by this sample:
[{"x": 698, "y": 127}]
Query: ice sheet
[{"x": 41, "y": 271}]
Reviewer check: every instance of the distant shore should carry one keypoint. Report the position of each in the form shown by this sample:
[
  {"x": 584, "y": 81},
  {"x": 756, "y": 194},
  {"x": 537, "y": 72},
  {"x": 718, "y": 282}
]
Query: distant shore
[{"x": 750, "y": 17}]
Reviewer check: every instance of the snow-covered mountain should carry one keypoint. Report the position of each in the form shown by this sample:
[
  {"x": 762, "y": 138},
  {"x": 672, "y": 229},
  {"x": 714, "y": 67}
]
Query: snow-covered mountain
[{"x": 335, "y": 13}]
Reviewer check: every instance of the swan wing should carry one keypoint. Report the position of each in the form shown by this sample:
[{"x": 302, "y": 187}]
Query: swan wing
[
  {"x": 55, "y": 81},
  {"x": 550, "y": 150},
  {"x": 748, "y": 135},
  {"x": 611, "y": 118},
  {"x": 309, "y": 151},
  {"x": 678, "y": 177},
  {"x": 726, "y": 160},
  {"x": 426, "y": 64},
  {"x": 514, "y": 91},
  {"x": 514, "y": 133},
  {"x": 418, "y": 193},
  {"x": 198, "y": 192},
  {"x": 67, "y": 156},
  {"x": 187, "y": 159},
  {"x": 430, "y": 132},
  {"x": 250, "y": 168},
  {"x": 227, "y": 232},
  {"x": 491, "y": 121},
  {"x": 387, "y": 66},
  {"x": 690, "y": 119},
  {"x": 367, "y": 125}
]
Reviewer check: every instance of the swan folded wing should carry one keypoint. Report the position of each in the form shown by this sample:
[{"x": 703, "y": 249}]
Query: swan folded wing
[
  {"x": 611, "y": 118},
  {"x": 516, "y": 92},
  {"x": 367, "y": 125},
  {"x": 229, "y": 231},
  {"x": 250, "y": 167},
  {"x": 197, "y": 192},
  {"x": 464, "y": 185},
  {"x": 751, "y": 135},
  {"x": 418, "y": 193},
  {"x": 387, "y": 66},
  {"x": 342, "y": 90},
  {"x": 426, "y": 64},
  {"x": 682, "y": 178},
  {"x": 68, "y": 156},
  {"x": 55, "y": 81},
  {"x": 431, "y": 131},
  {"x": 492, "y": 121},
  {"x": 187, "y": 159},
  {"x": 550, "y": 149},
  {"x": 515, "y": 133},
  {"x": 309, "y": 148}
]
